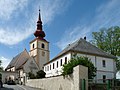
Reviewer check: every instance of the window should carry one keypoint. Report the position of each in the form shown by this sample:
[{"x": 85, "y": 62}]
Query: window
[
  {"x": 50, "y": 67},
  {"x": 65, "y": 60},
  {"x": 104, "y": 63},
  {"x": 43, "y": 46},
  {"x": 57, "y": 64},
  {"x": 33, "y": 45},
  {"x": 104, "y": 78},
  {"x": 53, "y": 66},
  {"x": 61, "y": 62}
]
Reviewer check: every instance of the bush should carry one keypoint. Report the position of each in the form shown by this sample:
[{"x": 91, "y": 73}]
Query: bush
[
  {"x": 31, "y": 75},
  {"x": 68, "y": 68},
  {"x": 40, "y": 74}
]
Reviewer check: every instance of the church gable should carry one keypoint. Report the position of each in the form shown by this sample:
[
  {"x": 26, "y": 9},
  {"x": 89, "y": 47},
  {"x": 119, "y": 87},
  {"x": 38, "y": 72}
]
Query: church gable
[
  {"x": 19, "y": 60},
  {"x": 30, "y": 66}
]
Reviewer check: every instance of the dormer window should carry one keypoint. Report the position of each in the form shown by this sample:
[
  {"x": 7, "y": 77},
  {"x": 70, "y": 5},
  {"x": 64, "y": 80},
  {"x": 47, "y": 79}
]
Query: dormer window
[
  {"x": 33, "y": 46},
  {"x": 43, "y": 46}
]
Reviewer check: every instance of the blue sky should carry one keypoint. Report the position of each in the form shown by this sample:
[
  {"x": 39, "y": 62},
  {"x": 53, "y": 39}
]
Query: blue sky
[{"x": 64, "y": 21}]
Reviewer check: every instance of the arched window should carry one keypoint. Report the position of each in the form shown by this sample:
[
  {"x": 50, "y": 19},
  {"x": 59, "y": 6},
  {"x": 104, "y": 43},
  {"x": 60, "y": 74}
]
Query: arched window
[
  {"x": 43, "y": 46},
  {"x": 33, "y": 45}
]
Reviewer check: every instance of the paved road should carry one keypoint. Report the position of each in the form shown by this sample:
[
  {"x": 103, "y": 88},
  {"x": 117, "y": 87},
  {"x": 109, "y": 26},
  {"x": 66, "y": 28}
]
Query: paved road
[{"x": 17, "y": 87}]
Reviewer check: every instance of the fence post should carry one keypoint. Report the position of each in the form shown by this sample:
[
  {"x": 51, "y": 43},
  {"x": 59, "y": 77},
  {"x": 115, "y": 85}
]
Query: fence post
[
  {"x": 83, "y": 84},
  {"x": 108, "y": 85}
]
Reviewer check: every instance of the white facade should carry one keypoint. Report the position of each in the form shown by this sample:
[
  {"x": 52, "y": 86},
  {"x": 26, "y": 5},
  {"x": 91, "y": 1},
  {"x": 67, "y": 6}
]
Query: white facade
[
  {"x": 55, "y": 67},
  {"x": 105, "y": 66}
]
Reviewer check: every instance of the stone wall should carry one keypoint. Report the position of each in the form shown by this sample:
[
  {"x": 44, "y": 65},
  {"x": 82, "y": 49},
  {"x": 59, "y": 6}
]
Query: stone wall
[{"x": 72, "y": 82}]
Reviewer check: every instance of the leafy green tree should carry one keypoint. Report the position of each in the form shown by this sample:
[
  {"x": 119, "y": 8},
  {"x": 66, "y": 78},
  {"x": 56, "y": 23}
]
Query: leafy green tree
[
  {"x": 68, "y": 68},
  {"x": 109, "y": 41},
  {"x": 40, "y": 74}
]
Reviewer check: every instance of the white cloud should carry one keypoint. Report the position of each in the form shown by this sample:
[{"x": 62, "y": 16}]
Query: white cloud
[
  {"x": 11, "y": 38},
  {"x": 14, "y": 35},
  {"x": 107, "y": 15},
  {"x": 50, "y": 9},
  {"x": 8, "y": 7},
  {"x": 5, "y": 61}
]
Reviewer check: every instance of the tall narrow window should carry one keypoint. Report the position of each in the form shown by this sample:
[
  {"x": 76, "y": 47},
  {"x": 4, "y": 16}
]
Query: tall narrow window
[
  {"x": 104, "y": 63},
  {"x": 50, "y": 67},
  {"x": 33, "y": 46},
  {"x": 57, "y": 64},
  {"x": 61, "y": 62},
  {"x": 104, "y": 78},
  {"x": 43, "y": 46},
  {"x": 65, "y": 60},
  {"x": 53, "y": 66}
]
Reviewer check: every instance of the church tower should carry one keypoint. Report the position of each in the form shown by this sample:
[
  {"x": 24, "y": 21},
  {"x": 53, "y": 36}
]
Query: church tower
[{"x": 39, "y": 47}]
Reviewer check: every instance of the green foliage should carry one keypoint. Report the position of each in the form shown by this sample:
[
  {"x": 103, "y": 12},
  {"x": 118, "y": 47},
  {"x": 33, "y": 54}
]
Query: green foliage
[
  {"x": 68, "y": 68},
  {"x": 31, "y": 75},
  {"x": 118, "y": 64},
  {"x": 109, "y": 41},
  {"x": 40, "y": 74},
  {"x": 1, "y": 68}
]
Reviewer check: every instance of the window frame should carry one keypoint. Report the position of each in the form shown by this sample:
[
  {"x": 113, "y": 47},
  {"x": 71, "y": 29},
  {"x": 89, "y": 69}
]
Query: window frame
[
  {"x": 60, "y": 62},
  {"x": 65, "y": 60},
  {"x": 43, "y": 45},
  {"x": 103, "y": 63}
]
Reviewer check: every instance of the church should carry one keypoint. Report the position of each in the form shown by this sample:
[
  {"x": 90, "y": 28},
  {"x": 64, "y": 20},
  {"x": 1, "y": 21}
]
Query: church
[{"x": 38, "y": 58}]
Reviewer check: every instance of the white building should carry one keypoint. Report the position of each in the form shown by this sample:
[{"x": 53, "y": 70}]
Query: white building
[{"x": 103, "y": 61}]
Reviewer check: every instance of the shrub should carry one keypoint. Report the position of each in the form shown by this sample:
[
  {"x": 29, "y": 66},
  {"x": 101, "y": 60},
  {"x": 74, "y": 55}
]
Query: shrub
[
  {"x": 40, "y": 74},
  {"x": 31, "y": 75},
  {"x": 68, "y": 68}
]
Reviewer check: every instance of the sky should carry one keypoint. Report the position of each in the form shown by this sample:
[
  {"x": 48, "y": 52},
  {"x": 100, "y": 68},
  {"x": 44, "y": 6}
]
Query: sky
[{"x": 64, "y": 21}]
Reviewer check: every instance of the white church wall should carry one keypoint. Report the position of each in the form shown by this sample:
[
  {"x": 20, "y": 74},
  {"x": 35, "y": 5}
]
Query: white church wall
[
  {"x": 108, "y": 64},
  {"x": 56, "y": 70},
  {"x": 97, "y": 61}
]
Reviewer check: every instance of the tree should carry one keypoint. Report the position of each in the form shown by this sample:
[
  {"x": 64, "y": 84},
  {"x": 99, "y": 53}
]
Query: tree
[
  {"x": 40, "y": 74},
  {"x": 1, "y": 69},
  {"x": 31, "y": 75},
  {"x": 109, "y": 41},
  {"x": 68, "y": 68}
]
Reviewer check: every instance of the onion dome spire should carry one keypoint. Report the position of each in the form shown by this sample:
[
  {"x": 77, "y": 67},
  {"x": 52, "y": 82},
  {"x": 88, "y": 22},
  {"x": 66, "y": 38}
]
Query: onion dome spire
[{"x": 39, "y": 33}]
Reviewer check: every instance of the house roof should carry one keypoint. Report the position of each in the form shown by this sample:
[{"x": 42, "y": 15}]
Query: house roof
[
  {"x": 19, "y": 60},
  {"x": 84, "y": 47}
]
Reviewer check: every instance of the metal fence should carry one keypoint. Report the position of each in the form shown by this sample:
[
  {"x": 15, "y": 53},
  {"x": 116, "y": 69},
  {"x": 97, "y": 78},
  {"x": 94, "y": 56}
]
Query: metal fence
[{"x": 104, "y": 84}]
